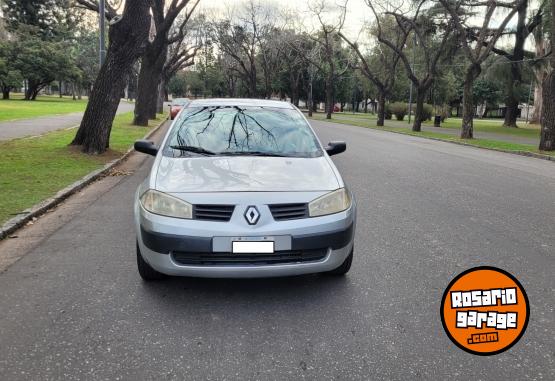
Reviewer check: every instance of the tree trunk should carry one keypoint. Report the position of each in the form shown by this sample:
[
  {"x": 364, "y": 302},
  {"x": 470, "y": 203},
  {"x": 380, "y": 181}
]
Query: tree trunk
[
  {"x": 511, "y": 113},
  {"x": 419, "y": 110},
  {"x": 329, "y": 98},
  {"x": 547, "y": 139},
  {"x": 32, "y": 91},
  {"x": 516, "y": 73},
  {"x": 310, "y": 101},
  {"x": 294, "y": 86},
  {"x": 160, "y": 101},
  {"x": 467, "y": 130},
  {"x": 6, "y": 93},
  {"x": 486, "y": 110},
  {"x": 535, "y": 118},
  {"x": 152, "y": 66},
  {"x": 29, "y": 91},
  {"x": 127, "y": 39},
  {"x": 381, "y": 110},
  {"x": 511, "y": 102}
]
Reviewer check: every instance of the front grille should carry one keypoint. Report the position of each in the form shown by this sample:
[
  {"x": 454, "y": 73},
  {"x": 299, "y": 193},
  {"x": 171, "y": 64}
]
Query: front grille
[
  {"x": 213, "y": 212},
  {"x": 279, "y": 257},
  {"x": 282, "y": 212}
]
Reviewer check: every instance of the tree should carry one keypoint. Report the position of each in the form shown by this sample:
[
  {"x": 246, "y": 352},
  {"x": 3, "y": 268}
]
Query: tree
[
  {"x": 383, "y": 72},
  {"x": 10, "y": 75},
  {"x": 128, "y": 35},
  {"x": 238, "y": 38},
  {"x": 86, "y": 51},
  {"x": 177, "y": 85},
  {"x": 547, "y": 137},
  {"x": 332, "y": 62},
  {"x": 155, "y": 54},
  {"x": 432, "y": 37},
  {"x": 292, "y": 71},
  {"x": 540, "y": 65},
  {"x": 41, "y": 62},
  {"x": 181, "y": 55},
  {"x": 50, "y": 19},
  {"x": 515, "y": 56},
  {"x": 485, "y": 92},
  {"x": 484, "y": 39}
]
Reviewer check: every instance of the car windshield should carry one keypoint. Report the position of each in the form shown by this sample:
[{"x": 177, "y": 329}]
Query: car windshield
[{"x": 242, "y": 131}]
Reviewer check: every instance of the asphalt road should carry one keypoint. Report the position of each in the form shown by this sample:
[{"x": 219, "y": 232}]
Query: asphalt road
[
  {"x": 13, "y": 129},
  {"x": 75, "y": 307}
]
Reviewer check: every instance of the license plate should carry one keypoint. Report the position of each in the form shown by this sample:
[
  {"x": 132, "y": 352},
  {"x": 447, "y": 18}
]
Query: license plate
[{"x": 253, "y": 247}]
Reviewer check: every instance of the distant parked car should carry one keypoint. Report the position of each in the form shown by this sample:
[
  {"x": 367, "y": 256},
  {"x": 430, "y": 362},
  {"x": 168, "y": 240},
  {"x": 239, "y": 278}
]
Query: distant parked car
[{"x": 176, "y": 106}]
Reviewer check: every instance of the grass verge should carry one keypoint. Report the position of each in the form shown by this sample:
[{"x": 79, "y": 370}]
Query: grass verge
[
  {"x": 16, "y": 108},
  {"x": 481, "y": 125},
  {"x": 34, "y": 169},
  {"x": 482, "y": 143}
]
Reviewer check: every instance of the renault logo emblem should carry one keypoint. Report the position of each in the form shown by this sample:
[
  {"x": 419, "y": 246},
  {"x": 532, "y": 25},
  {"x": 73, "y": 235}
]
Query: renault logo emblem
[{"x": 252, "y": 215}]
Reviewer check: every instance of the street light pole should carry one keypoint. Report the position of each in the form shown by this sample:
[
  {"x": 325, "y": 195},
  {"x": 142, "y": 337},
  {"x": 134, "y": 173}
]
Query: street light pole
[{"x": 102, "y": 19}]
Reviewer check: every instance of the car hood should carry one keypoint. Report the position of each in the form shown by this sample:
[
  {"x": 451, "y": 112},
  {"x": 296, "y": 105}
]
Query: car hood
[{"x": 245, "y": 174}]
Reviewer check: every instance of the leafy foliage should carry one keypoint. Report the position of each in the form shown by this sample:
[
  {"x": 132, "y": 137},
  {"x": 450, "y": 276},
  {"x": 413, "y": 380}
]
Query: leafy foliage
[{"x": 398, "y": 109}]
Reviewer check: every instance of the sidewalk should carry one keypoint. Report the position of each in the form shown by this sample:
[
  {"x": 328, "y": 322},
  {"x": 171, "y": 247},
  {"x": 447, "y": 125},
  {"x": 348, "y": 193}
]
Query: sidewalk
[{"x": 38, "y": 126}]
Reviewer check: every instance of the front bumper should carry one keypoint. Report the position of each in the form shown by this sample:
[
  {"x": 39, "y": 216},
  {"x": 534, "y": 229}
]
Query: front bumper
[{"x": 163, "y": 241}]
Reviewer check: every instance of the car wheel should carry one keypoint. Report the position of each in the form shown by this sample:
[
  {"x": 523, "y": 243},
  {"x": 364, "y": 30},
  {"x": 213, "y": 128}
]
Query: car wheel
[
  {"x": 147, "y": 272},
  {"x": 344, "y": 267}
]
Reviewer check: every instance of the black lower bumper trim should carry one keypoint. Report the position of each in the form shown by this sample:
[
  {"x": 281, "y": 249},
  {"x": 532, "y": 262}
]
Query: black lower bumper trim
[
  {"x": 168, "y": 243},
  {"x": 279, "y": 257},
  {"x": 336, "y": 240}
]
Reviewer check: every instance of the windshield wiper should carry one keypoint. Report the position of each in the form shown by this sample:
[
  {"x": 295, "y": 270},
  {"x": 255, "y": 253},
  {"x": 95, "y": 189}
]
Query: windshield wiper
[
  {"x": 193, "y": 149},
  {"x": 253, "y": 153}
]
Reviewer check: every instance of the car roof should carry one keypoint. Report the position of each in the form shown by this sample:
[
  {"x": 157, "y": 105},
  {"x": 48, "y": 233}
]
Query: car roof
[{"x": 240, "y": 102}]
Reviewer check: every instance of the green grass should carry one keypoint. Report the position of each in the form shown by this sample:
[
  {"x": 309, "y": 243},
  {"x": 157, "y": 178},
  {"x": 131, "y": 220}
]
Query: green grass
[
  {"x": 481, "y": 125},
  {"x": 493, "y": 126},
  {"x": 34, "y": 169},
  {"x": 485, "y": 143},
  {"x": 16, "y": 108}
]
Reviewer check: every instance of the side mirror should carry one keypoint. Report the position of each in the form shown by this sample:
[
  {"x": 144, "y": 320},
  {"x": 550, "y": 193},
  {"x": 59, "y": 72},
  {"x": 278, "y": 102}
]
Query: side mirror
[
  {"x": 335, "y": 148},
  {"x": 146, "y": 146}
]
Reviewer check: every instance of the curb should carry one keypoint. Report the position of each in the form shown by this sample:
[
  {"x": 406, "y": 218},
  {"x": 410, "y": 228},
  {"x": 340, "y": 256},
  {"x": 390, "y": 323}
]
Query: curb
[{"x": 38, "y": 209}]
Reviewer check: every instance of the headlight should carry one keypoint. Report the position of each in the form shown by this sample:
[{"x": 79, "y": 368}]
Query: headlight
[
  {"x": 333, "y": 202},
  {"x": 166, "y": 205}
]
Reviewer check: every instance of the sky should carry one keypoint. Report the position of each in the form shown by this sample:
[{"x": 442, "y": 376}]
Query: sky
[
  {"x": 357, "y": 11},
  {"x": 358, "y": 14}
]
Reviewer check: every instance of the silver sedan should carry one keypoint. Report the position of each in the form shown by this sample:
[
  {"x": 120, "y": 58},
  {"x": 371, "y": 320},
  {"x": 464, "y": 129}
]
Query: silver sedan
[{"x": 243, "y": 188}]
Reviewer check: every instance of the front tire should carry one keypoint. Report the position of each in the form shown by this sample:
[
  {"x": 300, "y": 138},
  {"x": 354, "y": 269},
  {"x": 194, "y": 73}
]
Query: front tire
[
  {"x": 145, "y": 270},
  {"x": 344, "y": 267}
]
